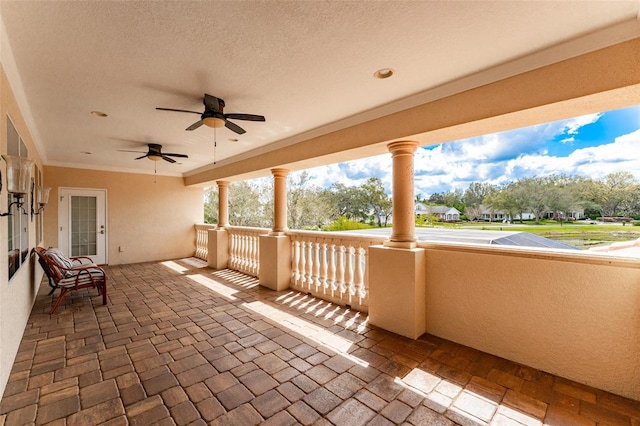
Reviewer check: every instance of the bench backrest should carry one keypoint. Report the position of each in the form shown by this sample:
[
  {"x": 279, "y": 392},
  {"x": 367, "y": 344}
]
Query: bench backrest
[{"x": 49, "y": 266}]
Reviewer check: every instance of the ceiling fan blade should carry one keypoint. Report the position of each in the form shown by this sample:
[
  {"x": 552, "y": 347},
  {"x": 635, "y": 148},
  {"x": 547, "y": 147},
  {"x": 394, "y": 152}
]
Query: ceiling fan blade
[
  {"x": 178, "y": 110},
  {"x": 195, "y": 125},
  {"x": 126, "y": 150},
  {"x": 232, "y": 126},
  {"x": 248, "y": 117},
  {"x": 169, "y": 159},
  {"x": 177, "y": 155},
  {"x": 213, "y": 103},
  {"x": 146, "y": 155}
]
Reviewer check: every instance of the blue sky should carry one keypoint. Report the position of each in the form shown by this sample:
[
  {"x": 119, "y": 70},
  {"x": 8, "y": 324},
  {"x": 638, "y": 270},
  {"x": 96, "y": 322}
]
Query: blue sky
[{"x": 592, "y": 145}]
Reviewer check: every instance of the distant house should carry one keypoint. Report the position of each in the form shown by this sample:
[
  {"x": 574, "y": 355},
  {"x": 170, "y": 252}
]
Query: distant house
[
  {"x": 500, "y": 216},
  {"x": 443, "y": 213},
  {"x": 575, "y": 214}
]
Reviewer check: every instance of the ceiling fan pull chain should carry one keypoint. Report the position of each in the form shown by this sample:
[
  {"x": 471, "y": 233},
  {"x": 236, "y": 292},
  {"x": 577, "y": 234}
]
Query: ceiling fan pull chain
[
  {"x": 155, "y": 171},
  {"x": 215, "y": 144}
]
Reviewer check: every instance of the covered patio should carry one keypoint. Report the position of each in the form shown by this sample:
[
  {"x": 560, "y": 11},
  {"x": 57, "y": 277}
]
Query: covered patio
[
  {"x": 190, "y": 341},
  {"x": 181, "y": 343}
]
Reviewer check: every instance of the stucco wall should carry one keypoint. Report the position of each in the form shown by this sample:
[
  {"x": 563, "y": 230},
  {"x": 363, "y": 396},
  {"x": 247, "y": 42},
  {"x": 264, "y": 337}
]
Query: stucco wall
[
  {"x": 576, "y": 319},
  {"x": 151, "y": 221},
  {"x": 17, "y": 295}
]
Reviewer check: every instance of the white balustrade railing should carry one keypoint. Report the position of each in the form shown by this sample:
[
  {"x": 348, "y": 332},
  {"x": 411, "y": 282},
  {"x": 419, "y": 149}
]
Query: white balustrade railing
[
  {"x": 202, "y": 240},
  {"x": 332, "y": 266},
  {"x": 244, "y": 248}
]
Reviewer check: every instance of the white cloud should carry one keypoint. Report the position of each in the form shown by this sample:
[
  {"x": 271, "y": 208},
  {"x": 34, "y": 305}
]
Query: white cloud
[
  {"x": 497, "y": 158},
  {"x": 569, "y": 140},
  {"x": 572, "y": 125},
  {"x": 594, "y": 162}
]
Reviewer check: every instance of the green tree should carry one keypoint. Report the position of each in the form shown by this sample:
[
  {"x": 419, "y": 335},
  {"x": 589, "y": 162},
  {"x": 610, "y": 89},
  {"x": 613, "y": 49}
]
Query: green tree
[
  {"x": 211, "y": 205},
  {"x": 536, "y": 201},
  {"x": 503, "y": 200},
  {"x": 247, "y": 201},
  {"x": 454, "y": 199},
  {"x": 345, "y": 201},
  {"x": 475, "y": 194},
  {"x": 306, "y": 208},
  {"x": 614, "y": 192},
  {"x": 378, "y": 201}
]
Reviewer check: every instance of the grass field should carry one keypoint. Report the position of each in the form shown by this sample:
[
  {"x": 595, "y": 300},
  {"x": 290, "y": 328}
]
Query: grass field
[{"x": 579, "y": 234}]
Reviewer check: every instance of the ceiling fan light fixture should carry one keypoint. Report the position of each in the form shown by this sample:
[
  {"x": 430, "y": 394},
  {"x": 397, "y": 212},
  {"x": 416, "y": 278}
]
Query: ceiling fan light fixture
[
  {"x": 213, "y": 122},
  {"x": 154, "y": 157}
]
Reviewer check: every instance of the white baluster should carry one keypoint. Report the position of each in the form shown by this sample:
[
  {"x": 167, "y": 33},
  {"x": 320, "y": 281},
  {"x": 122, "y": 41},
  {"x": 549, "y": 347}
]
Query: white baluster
[
  {"x": 256, "y": 255},
  {"x": 303, "y": 263},
  {"x": 309, "y": 271},
  {"x": 331, "y": 273},
  {"x": 365, "y": 284},
  {"x": 347, "y": 286},
  {"x": 323, "y": 264},
  {"x": 337, "y": 285},
  {"x": 245, "y": 252},
  {"x": 295, "y": 263},
  {"x": 316, "y": 266},
  {"x": 232, "y": 249},
  {"x": 252, "y": 254},
  {"x": 358, "y": 285}
]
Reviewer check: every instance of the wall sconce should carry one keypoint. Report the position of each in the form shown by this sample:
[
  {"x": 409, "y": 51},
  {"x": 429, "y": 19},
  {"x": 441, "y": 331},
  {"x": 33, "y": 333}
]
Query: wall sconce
[
  {"x": 18, "y": 180},
  {"x": 43, "y": 199}
]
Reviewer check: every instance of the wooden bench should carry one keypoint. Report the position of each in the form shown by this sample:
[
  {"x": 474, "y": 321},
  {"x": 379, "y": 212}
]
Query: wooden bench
[{"x": 70, "y": 274}]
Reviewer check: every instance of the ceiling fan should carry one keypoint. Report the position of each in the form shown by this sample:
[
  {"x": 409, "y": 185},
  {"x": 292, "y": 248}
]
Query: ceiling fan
[
  {"x": 155, "y": 154},
  {"x": 214, "y": 116}
]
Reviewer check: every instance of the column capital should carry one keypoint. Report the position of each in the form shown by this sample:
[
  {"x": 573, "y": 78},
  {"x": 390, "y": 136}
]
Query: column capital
[
  {"x": 280, "y": 172},
  {"x": 402, "y": 147},
  {"x": 222, "y": 183}
]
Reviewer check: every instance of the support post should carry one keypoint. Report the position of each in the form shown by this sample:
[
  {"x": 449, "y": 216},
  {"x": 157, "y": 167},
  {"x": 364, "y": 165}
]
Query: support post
[
  {"x": 404, "y": 218},
  {"x": 223, "y": 203},
  {"x": 218, "y": 247},
  {"x": 397, "y": 269},
  {"x": 279, "y": 200},
  {"x": 275, "y": 248}
]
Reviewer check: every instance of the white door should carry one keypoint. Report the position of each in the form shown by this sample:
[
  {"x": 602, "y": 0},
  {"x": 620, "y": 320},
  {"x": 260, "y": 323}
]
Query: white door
[{"x": 82, "y": 223}]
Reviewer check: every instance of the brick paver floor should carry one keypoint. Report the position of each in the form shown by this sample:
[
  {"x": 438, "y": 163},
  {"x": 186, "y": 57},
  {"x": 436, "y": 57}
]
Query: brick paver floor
[{"x": 182, "y": 344}]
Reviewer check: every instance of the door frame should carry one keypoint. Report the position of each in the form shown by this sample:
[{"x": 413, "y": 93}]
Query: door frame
[{"x": 64, "y": 220}]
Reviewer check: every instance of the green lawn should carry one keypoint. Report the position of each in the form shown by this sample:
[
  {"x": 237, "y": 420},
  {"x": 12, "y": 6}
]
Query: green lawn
[{"x": 580, "y": 234}]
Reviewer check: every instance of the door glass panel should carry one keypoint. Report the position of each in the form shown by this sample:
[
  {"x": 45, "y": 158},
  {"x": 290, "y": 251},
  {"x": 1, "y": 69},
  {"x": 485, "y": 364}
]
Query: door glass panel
[{"x": 83, "y": 226}]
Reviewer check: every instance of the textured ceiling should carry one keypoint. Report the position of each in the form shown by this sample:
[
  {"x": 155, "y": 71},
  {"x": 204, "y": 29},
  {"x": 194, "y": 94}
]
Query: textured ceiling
[{"x": 303, "y": 65}]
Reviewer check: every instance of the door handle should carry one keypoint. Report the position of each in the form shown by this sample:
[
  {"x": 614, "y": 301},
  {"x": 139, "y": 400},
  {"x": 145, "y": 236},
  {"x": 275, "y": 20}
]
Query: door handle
[{"x": 102, "y": 231}]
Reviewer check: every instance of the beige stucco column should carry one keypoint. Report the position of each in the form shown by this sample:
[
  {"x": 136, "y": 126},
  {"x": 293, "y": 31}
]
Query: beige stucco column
[
  {"x": 223, "y": 203},
  {"x": 275, "y": 248},
  {"x": 397, "y": 269},
  {"x": 218, "y": 243},
  {"x": 404, "y": 225},
  {"x": 279, "y": 200}
]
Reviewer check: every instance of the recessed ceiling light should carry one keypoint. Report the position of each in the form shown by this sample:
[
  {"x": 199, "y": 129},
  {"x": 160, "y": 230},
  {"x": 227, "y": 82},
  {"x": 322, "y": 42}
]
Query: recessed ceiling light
[
  {"x": 383, "y": 73},
  {"x": 99, "y": 114},
  {"x": 233, "y": 140}
]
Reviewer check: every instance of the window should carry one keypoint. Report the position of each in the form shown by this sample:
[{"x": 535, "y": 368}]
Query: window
[{"x": 18, "y": 221}]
